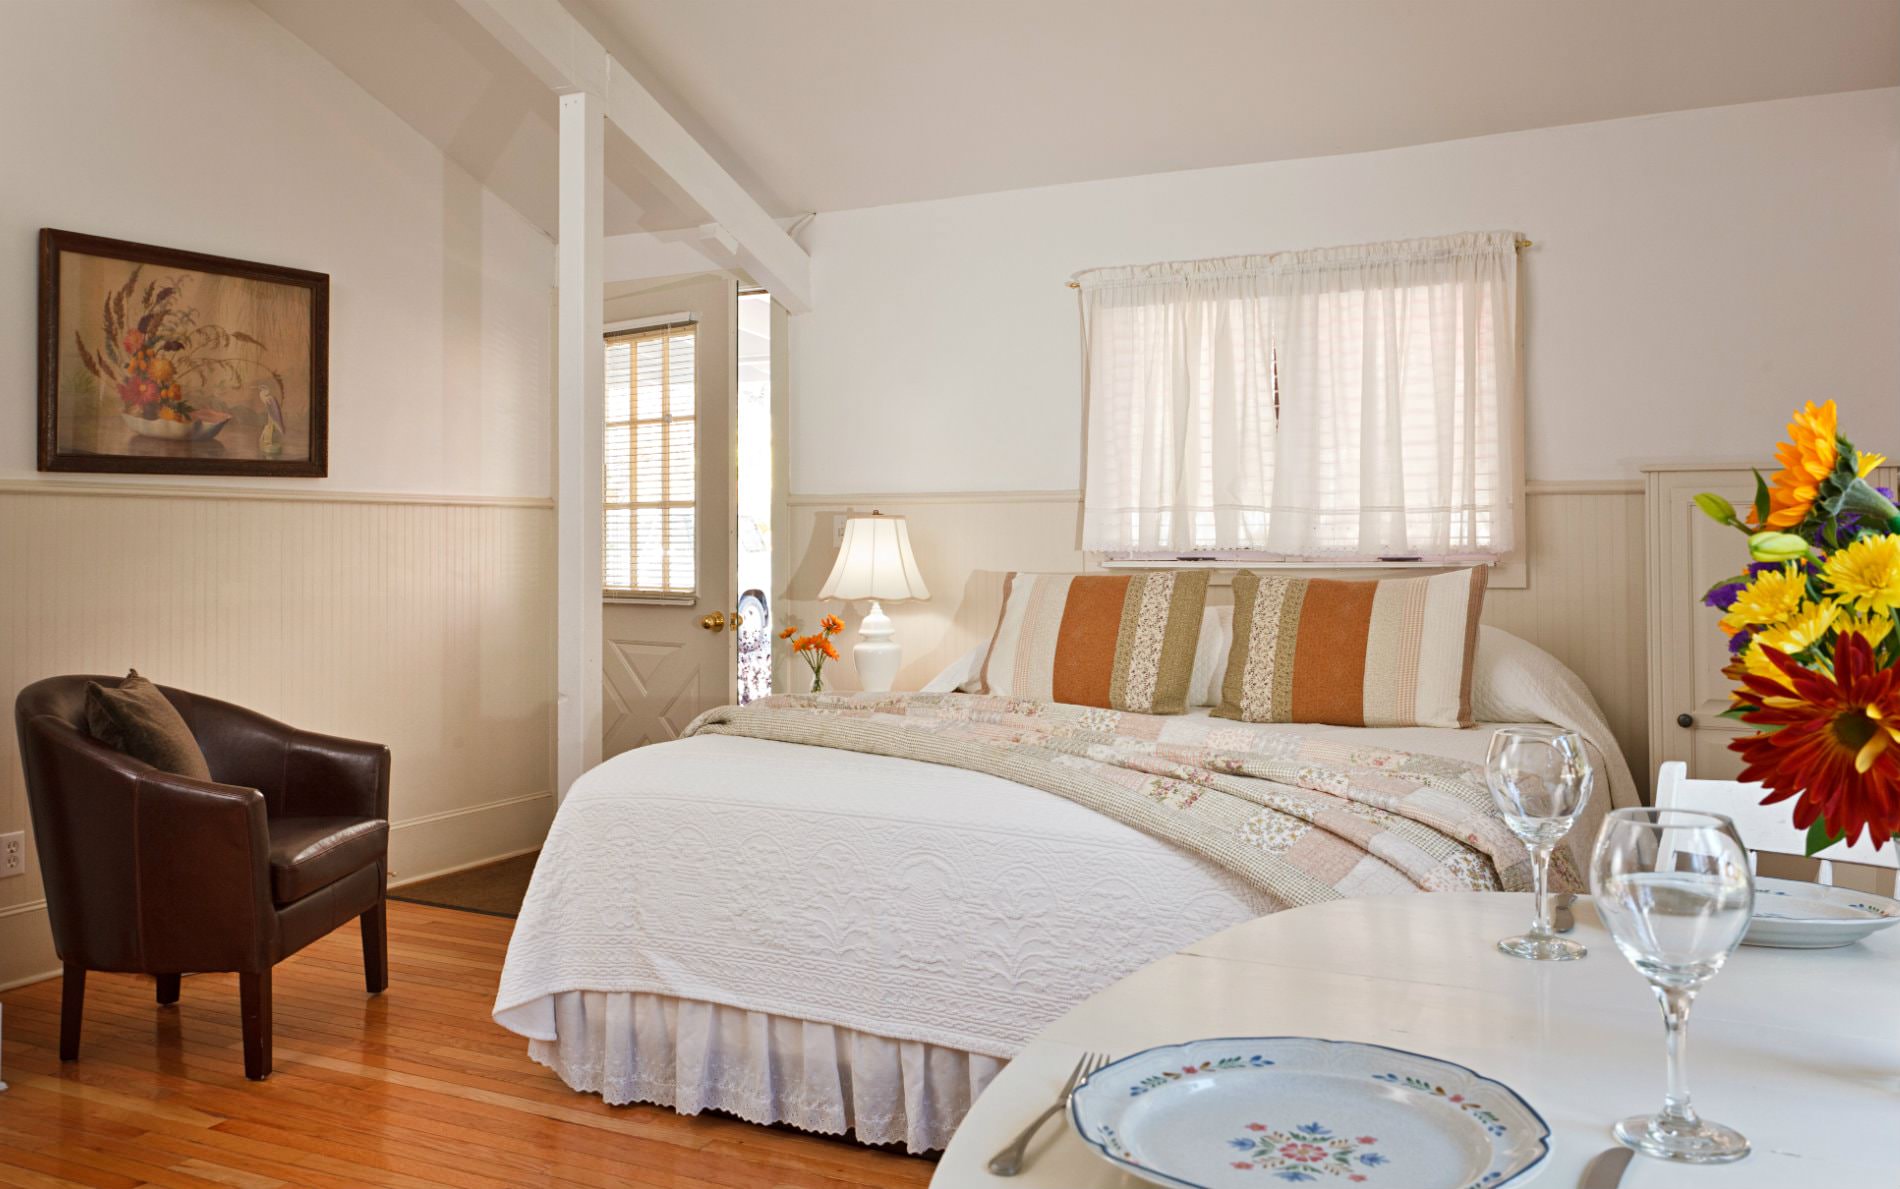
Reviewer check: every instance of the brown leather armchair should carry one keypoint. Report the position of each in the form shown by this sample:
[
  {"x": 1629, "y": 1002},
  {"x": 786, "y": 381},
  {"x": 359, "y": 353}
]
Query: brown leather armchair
[{"x": 147, "y": 872}]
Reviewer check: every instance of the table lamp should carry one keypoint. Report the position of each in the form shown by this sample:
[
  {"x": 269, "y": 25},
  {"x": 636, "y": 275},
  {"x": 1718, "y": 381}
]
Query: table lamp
[{"x": 875, "y": 563}]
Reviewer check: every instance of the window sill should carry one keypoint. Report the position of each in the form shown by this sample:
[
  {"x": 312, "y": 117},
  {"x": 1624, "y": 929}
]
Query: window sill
[
  {"x": 650, "y": 600},
  {"x": 1267, "y": 563}
]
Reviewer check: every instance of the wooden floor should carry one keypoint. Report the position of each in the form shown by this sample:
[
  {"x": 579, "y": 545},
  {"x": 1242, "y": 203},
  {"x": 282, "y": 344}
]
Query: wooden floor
[{"x": 412, "y": 1089}]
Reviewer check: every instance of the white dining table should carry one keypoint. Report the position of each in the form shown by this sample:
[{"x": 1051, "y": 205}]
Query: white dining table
[{"x": 1798, "y": 1049}]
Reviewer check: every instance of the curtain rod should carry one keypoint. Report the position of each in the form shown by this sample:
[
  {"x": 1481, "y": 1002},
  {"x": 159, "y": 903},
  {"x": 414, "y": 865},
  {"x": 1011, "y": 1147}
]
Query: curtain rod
[{"x": 1521, "y": 245}]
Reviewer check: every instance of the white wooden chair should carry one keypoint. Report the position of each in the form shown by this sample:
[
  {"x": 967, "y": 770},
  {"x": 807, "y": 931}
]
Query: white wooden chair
[{"x": 1770, "y": 829}]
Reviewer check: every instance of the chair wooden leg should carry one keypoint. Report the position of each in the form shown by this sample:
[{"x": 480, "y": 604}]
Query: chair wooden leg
[
  {"x": 72, "y": 1002},
  {"x": 168, "y": 988},
  {"x": 375, "y": 925},
  {"x": 254, "y": 995}
]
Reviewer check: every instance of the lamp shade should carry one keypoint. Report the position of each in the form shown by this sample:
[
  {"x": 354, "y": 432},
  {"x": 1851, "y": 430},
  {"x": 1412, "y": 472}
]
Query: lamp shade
[{"x": 875, "y": 562}]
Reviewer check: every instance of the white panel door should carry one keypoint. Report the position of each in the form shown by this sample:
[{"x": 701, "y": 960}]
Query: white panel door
[{"x": 665, "y": 659}]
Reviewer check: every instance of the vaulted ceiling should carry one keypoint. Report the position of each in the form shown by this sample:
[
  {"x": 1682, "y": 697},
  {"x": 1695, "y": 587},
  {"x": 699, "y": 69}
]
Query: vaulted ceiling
[{"x": 833, "y": 104}]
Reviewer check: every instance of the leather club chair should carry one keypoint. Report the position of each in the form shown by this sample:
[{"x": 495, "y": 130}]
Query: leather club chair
[{"x": 151, "y": 873}]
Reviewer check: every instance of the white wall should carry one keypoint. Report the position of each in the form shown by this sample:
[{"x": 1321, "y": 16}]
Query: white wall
[
  {"x": 205, "y": 125},
  {"x": 406, "y": 598},
  {"x": 1695, "y": 275}
]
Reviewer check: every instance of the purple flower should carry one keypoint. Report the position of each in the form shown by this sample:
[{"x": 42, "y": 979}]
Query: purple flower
[
  {"x": 1723, "y": 595},
  {"x": 1738, "y": 643}
]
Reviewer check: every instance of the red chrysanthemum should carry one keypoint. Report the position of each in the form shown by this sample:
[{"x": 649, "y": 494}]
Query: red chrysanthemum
[{"x": 1832, "y": 745}]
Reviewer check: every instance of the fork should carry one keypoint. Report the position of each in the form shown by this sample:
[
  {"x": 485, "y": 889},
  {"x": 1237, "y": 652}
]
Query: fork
[{"x": 1009, "y": 1161}]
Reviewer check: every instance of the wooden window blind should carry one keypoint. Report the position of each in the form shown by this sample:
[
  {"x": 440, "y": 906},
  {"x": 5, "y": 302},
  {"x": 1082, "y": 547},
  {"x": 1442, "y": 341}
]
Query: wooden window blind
[{"x": 649, "y": 485}]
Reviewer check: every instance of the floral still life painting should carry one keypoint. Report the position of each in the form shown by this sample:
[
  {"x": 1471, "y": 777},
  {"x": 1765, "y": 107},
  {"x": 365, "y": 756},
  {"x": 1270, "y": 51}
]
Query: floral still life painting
[{"x": 161, "y": 361}]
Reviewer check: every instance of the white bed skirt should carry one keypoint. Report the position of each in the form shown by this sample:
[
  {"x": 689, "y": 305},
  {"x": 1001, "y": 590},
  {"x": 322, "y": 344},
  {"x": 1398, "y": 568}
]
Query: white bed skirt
[{"x": 693, "y": 1056}]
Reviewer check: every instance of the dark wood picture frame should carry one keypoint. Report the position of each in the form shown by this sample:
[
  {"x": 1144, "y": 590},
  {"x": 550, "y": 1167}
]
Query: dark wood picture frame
[{"x": 174, "y": 458}]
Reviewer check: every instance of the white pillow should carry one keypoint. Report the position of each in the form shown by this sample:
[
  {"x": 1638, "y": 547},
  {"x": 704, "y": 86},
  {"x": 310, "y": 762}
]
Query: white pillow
[
  {"x": 1513, "y": 680},
  {"x": 962, "y": 675},
  {"x": 1210, "y": 656}
]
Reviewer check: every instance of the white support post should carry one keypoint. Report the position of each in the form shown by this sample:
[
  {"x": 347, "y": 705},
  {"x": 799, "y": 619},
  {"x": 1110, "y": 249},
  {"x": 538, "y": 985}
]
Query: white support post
[{"x": 578, "y": 429}]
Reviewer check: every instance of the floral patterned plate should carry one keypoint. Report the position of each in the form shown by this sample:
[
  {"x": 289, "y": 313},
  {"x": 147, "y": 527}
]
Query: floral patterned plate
[
  {"x": 1793, "y": 915},
  {"x": 1275, "y": 1110}
]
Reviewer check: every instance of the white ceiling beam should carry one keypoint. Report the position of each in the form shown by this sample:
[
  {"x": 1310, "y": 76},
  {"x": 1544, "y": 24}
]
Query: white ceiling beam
[
  {"x": 772, "y": 257},
  {"x": 554, "y": 46},
  {"x": 565, "y": 56}
]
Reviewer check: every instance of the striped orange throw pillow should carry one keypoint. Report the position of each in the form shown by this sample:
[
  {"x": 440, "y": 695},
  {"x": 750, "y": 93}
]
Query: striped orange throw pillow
[
  {"x": 1389, "y": 653},
  {"x": 1125, "y": 642}
]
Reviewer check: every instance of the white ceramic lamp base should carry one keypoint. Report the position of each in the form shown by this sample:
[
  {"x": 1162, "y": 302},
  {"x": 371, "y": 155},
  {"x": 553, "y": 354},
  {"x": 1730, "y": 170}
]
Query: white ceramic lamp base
[{"x": 877, "y": 655}]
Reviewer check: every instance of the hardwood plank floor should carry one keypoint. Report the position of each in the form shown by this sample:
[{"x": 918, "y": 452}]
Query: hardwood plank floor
[{"x": 413, "y": 1089}]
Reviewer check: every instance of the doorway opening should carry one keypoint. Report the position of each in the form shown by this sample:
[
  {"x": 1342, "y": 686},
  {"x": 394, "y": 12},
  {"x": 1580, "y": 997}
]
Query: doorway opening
[{"x": 753, "y": 448}]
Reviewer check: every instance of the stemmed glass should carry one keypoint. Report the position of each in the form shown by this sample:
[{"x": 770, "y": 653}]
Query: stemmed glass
[
  {"x": 1540, "y": 778},
  {"x": 1674, "y": 890}
]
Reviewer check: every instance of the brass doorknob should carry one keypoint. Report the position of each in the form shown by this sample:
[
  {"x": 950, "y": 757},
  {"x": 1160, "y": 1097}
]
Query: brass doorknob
[{"x": 716, "y": 622}]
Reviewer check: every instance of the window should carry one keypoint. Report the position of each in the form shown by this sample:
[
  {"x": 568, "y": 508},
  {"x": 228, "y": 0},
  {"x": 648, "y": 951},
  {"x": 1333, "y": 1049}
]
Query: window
[
  {"x": 648, "y": 485},
  {"x": 1347, "y": 404}
]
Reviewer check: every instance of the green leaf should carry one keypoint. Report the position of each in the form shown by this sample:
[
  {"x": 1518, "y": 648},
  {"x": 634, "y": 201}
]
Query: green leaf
[
  {"x": 1735, "y": 712},
  {"x": 1761, "y": 499},
  {"x": 1820, "y": 838}
]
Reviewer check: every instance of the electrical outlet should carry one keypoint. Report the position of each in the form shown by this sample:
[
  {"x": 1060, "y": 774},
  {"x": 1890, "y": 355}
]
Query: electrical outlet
[{"x": 12, "y": 854}]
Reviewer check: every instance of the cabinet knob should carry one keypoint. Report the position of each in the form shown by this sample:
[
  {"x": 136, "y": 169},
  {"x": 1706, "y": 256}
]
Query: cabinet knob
[{"x": 1685, "y": 720}]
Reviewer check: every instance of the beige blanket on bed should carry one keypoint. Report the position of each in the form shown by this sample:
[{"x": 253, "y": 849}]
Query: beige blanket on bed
[{"x": 1306, "y": 819}]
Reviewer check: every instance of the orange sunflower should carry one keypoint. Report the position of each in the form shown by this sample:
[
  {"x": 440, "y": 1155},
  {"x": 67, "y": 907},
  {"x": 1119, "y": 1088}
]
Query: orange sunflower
[
  {"x": 1830, "y": 741},
  {"x": 1806, "y": 459}
]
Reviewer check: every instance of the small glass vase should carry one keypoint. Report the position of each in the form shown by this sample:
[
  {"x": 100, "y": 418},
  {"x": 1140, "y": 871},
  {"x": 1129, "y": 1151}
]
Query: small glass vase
[{"x": 818, "y": 683}]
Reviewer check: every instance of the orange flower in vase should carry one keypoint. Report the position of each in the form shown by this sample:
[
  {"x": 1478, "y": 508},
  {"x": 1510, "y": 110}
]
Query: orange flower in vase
[{"x": 816, "y": 648}]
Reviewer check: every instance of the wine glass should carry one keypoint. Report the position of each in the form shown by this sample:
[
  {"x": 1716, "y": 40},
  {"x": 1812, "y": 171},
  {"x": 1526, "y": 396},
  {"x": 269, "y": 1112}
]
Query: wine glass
[
  {"x": 1540, "y": 778},
  {"x": 1674, "y": 890}
]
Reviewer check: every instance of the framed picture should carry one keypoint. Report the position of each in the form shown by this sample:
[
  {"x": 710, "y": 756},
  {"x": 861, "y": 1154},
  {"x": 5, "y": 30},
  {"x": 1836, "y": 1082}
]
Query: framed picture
[{"x": 158, "y": 361}]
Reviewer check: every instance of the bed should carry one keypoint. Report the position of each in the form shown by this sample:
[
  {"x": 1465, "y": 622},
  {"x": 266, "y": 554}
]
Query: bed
[{"x": 847, "y": 940}]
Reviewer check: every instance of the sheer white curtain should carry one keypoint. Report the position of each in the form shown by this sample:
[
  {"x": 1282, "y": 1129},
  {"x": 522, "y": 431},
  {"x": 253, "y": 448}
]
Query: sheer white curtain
[{"x": 1355, "y": 402}]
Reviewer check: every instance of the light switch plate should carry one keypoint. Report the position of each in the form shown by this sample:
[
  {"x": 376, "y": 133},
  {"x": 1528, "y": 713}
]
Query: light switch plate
[
  {"x": 12, "y": 854},
  {"x": 837, "y": 528}
]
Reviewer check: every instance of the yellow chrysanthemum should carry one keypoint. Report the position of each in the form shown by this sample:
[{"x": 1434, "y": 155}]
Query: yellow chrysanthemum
[
  {"x": 1806, "y": 458},
  {"x": 1775, "y": 596},
  {"x": 1799, "y": 634},
  {"x": 1803, "y": 630},
  {"x": 1866, "y": 573},
  {"x": 1755, "y": 661},
  {"x": 1871, "y": 628}
]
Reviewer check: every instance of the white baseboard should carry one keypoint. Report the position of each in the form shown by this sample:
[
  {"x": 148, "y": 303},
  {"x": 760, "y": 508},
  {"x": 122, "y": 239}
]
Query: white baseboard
[
  {"x": 26, "y": 945},
  {"x": 456, "y": 839},
  {"x": 405, "y": 881},
  {"x": 419, "y": 848}
]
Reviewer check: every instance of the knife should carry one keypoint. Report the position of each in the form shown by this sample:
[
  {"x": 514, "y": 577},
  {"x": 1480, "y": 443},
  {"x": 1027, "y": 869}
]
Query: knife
[{"x": 1606, "y": 1171}]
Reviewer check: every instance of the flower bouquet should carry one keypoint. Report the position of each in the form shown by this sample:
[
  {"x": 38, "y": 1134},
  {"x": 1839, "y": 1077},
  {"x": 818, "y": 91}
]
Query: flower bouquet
[
  {"x": 1811, "y": 629},
  {"x": 816, "y": 648},
  {"x": 154, "y": 351}
]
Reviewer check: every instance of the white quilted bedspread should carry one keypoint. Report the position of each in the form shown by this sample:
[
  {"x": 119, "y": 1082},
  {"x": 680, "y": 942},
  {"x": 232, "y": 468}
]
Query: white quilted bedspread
[{"x": 888, "y": 896}]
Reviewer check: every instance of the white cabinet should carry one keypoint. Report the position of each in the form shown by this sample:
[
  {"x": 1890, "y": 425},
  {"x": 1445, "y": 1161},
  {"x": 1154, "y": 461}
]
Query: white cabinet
[{"x": 1688, "y": 553}]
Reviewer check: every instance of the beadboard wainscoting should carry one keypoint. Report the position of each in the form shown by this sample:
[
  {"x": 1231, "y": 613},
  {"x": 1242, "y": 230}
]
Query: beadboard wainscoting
[
  {"x": 423, "y": 622},
  {"x": 1580, "y": 592}
]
